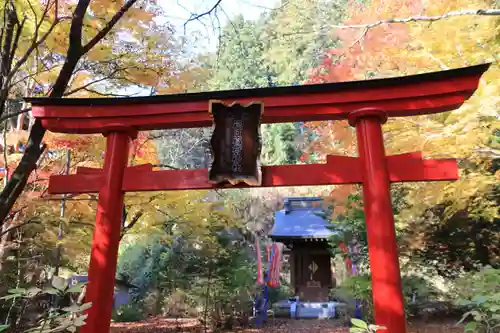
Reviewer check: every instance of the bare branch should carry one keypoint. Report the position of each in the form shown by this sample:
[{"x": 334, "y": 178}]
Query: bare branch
[
  {"x": 423, "y": 18},
  {"x": 91, "y": 225},
  {"x": 90, "y": 90},
  {"x": 5, "y": 157},
  {"x": 489, "y": 152},
  {"x": 165, "y": 166},
  {"x": 85, "y": 86},
  {"x": 4, "y": 21},
  {"x": 14, "y": 212},
  {"x": 35, "y": 42},
  {"x": 14, "y": 114},
  {"x": 110, "y": 76},
  {"x": 417, "y": 18},
  {"x": 33, "y": 10},
  {"x": 132, "y": 222},
  {"x": 17, "y": 226},
  {"x": 197, "y": 17},
  {"x": 107, "y": 28},
  {"x": 19, "y": 32},
  {"x": 282, "y": 5},
  {"x": 10, "y": 22},
  {"x": 28, "y": 76},
  {"x": 39, "y": 23}
]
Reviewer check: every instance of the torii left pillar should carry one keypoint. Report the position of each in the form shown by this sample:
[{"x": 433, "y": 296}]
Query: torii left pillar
[{"x": 106, "y": 239}]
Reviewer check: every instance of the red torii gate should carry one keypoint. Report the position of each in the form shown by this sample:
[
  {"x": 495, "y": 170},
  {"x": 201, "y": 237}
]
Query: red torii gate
[{"x": 366, "y": 104}]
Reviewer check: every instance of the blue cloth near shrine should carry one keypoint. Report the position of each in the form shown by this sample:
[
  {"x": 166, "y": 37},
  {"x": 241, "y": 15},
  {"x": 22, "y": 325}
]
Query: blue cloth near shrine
[
  {"x": 357, "y": 311},
  {"x": 293, "y": 310}
]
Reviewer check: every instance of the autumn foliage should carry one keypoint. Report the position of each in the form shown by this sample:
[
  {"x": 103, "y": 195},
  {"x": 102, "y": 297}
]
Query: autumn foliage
[
  {"x": 403, "y": 49},
  {"x": 191, "y": 244}
]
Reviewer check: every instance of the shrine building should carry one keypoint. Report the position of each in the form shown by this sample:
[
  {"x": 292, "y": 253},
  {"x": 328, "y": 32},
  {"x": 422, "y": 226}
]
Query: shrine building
[{"x": 304, "y": 232}]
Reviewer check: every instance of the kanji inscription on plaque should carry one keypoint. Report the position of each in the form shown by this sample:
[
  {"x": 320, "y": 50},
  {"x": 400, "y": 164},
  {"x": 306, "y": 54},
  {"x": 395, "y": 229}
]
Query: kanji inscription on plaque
[{"x": 236, "y": 143}]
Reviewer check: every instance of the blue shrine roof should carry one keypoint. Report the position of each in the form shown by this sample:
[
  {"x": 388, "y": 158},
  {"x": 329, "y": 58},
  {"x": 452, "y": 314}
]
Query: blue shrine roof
[{"x": 300, "y": 218}]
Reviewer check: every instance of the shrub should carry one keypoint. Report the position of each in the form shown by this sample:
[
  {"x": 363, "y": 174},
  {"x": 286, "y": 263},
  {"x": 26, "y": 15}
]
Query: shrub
[
  {"x": 128, "y": 313},
  {"x": 68, "y": 318},
  {"x": 356, "y": 288},
  {"x": 480, "y": 293},
  {"x": 420, "y": 287},
  {"x": 360, "y": 288}
]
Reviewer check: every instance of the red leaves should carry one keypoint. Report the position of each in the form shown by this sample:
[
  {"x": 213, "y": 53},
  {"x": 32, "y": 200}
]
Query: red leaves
[
  {"x": 374, "y": 49},
  {"x": 143, "y": 149},
  {"x": 365, "y": 53},
  {"x": 68, "y": 143}
]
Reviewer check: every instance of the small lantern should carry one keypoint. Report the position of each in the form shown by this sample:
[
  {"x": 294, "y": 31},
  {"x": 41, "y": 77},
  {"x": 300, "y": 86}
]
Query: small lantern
[{"x": 236, "y": 143}]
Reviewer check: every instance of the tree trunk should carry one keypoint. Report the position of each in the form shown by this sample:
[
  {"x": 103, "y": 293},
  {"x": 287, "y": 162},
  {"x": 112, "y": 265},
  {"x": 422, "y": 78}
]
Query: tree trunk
[
  {"x": 4, "y": 244},
  {"x": 34, "y": 147},
  {"x": 6, "y": 52},
  {"x": 19, "y": 178},
  {"x": 207, "y": 296}
]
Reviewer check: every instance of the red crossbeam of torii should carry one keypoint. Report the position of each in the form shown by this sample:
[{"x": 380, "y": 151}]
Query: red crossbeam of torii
[
  {"x": 338, "y": 170},
  {"x": 366, "y": 104}
]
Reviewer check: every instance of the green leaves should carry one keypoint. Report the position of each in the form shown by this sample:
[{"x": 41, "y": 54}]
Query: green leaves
[
  {"x": 471, "y": 327},
  {"x": 67, "y": 319},
  {"x": 51, "y": 291},
  {"x": 478, "y": 300},
  {"x": 32, "y": 292},
  {"x": 20, "y": 293},
  {"x": 59, "y": 287},
  {"x": 484, "y": 307},
  {"x": 17, "y": 291},
  {"x": 75, "y": 308},
  {"x": 358, "y": 323},
  {"x": 77, "y": 288},
  {"x": 360, "y": 326},
  {"x": 475, "y": 314}
]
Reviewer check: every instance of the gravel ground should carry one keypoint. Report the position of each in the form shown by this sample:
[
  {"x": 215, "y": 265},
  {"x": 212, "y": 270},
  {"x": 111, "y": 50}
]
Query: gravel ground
[{"x": 162, "y": 325}]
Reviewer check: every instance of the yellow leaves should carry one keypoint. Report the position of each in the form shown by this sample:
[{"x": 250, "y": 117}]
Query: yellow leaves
[
  {"x": 139, "y": 14},
  {"x": 457, "y": 41},
  {"x": 185, "y": 213},
  {"x": 105, "y": 8},
  {"x": 468, "y": 193},
  {"x": 143, "y": 76},
  {"x": 79, "y": 79},
  {"x": 402, "y": 49},
  {"x": 49, "y": 76},
  {"x": 83, "y": 206},
  {"x": 187, "y": 79},
  {"x": 58, "y": 40},
  {"x": 99, "y": 53},
  {"x": 16, "y": 137}
]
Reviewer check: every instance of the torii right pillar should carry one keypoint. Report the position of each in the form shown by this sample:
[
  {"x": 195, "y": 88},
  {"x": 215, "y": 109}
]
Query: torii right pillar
[{"x": 381, "y": 232}]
